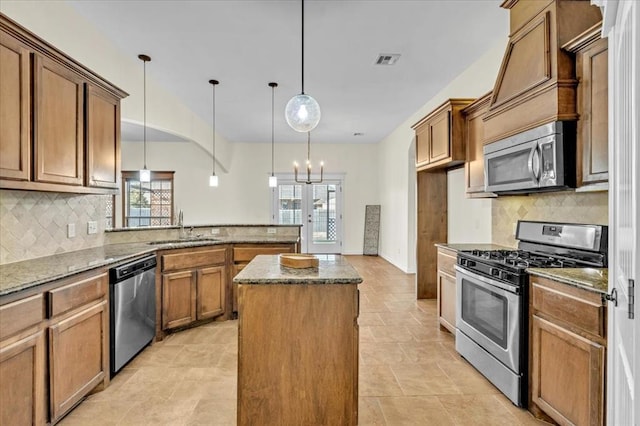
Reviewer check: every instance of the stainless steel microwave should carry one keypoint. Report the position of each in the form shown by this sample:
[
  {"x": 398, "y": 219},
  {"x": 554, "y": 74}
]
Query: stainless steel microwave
[{"x": 540, "y": 159}]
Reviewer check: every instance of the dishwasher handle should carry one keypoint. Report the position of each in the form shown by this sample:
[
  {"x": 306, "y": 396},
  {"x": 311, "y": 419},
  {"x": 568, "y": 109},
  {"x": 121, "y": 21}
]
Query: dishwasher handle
[{"x": 122, "y": 272}]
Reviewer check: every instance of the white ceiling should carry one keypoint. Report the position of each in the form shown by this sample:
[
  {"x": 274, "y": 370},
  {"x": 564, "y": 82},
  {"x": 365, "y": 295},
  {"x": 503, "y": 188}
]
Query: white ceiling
[{"x": 245, "y": 44}]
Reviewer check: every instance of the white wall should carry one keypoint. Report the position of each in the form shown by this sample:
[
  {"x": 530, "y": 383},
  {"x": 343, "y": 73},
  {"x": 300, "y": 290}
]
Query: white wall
[
  {"x": 397, "y": 171},
  {"x": 469, "y": 219},
  {"x": 243, "y": 195}
]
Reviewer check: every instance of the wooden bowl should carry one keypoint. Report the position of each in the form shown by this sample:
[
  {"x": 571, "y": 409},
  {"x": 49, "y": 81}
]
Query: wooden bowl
[{"x": 299, "y": 261}]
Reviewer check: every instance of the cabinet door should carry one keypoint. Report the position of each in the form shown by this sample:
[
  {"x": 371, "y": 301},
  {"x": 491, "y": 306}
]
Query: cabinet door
[
  {"x": 567, "y": 376},
  {"x": 22, "y": 374},
  {"x": 78, "y": 357},
  {"x": 15, "y": 117},
  {"x": 103, "y": 138},
  {"x": 447, "y": 302},
  {"x": 422, "y": 145},
  {"x": 211, "y": 288},
  {"x": 592, "y": 71},
  {"x": 178, "y": 299},
  {"x": 439, "y": 140},
  {"x": 58, "y": 127}
]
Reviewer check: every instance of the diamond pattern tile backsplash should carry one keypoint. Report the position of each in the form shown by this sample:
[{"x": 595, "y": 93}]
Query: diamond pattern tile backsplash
[
  {"x": 568, "y": 206},
  {"x": 34, "y": 224}
]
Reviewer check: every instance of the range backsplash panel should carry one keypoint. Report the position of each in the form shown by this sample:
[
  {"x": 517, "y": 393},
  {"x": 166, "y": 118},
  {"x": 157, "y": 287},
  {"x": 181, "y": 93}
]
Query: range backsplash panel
[
  {"x": 34, "y": 224},
  {"x": 567, "y": 206}
]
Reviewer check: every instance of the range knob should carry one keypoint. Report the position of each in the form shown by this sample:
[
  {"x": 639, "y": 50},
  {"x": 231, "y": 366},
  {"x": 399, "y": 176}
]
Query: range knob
[
  {"x": 471, "y": 263},
  {"x": 504, "y": 275},
  {"x": 494, "y": 272}
]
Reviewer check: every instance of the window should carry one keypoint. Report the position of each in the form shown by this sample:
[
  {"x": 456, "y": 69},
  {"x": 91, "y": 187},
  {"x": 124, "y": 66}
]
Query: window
[
  {"x": 110, "y": 206},
  {"x": 148, "y": 203}
]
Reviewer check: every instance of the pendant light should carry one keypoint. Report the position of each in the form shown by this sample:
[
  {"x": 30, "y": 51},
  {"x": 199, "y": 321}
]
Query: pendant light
[
  {"x": 145, "y": 174},
  {"x": 213, "y": 179},
  {"x": 273, "y": 180},
  {"x": 302, "y": 111},
  {"x": 308, "y": 181}
]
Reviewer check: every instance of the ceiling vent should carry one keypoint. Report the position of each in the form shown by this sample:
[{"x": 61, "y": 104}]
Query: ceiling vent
[{"x": 387, "y": 58}]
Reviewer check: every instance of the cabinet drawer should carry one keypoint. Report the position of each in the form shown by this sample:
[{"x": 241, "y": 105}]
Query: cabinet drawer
[
  {"x": 21, "y": 314},
  {"x": 246, "y": 254},
  {"x": 194, "y": 259},
  {"x": 584, "y": 311},
  {"x": 446, "y": 261},
  {"x": 80, "y": 293}
]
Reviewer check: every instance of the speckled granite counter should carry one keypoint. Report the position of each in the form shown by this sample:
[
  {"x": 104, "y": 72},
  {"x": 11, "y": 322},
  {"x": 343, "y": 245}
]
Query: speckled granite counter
[
  {"x": 266, "y": 269},
  {"x": 473, "y": 246},
  {"x": 593, "y": 279},
  {"x": 19, "y": 276}
]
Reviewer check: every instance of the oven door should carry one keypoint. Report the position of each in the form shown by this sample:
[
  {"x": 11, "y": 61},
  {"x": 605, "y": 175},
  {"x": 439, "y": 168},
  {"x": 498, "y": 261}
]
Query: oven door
[
  {"x": 514, "y": 168},
  {"x": 489, "y": 313}
]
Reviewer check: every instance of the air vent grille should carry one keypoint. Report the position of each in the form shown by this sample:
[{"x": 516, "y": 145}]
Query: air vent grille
[{"x": 387, "y": 58}]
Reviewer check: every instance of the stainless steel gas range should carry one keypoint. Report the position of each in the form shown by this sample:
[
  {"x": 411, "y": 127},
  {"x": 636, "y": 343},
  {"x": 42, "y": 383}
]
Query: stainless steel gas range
[{"x": 492, "y": 296}]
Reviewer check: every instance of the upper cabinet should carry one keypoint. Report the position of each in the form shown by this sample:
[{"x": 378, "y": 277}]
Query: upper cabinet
[
  {"x": 592, "y": 163},
  {"x": 474, "y": 137},
  {"x": 59, "y": 121},
  {"x": 440, "y": 136},
  {"x": 536, "y": 83}
]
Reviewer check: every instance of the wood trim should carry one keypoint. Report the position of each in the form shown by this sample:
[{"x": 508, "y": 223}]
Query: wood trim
[
  {"x": 54, "y": 187},
  {"x": 583, "y": 40},
  {"x": 460, "y": 102}
]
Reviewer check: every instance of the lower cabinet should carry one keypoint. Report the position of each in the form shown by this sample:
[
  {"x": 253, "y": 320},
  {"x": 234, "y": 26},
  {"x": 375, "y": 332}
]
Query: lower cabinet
[
  {"x": 447, "y": 289},
  {"x": 194, "y": 285},
  {"x": 568, "y": 350}
]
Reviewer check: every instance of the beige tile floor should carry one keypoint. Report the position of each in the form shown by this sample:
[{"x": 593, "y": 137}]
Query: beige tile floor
[{"x": 410, "y": 373}]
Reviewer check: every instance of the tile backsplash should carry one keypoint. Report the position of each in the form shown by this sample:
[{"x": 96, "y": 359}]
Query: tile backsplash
[
  {"x": 567, "y": 206},
  {"x": 34, "y": 224}
]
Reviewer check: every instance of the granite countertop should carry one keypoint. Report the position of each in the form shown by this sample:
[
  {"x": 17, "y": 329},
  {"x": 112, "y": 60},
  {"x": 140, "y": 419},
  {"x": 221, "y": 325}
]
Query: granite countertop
[
  {"x": 473, "y": 246},
  {"x": 266, "y": 269},
  {"x": 592, "y": 279},
  {"x": 19, "y": 276}
]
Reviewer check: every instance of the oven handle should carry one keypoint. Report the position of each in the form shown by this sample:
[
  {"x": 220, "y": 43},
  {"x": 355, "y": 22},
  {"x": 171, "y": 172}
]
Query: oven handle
[{"x": 488, "y": 283}]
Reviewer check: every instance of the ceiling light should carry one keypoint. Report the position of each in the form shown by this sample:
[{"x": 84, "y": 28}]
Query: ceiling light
[
  {"x": 145, "y": 174},
  {"x": 295, "y": 166},
  {"x": 302, "y": 111},
  {"x": 273, "y": 180},
  {"x": 213, "y": 179}
]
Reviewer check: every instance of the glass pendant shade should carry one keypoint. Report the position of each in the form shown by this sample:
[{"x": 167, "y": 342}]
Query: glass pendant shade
[
  {"x": 273, "y": 182},
  {"x": 302, "y": 113},
  {"x": 145, "y": 175},
  {"x": 213, "y": 180}
]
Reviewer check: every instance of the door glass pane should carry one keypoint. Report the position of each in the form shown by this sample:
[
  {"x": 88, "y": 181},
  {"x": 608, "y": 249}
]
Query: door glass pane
[
  {"x": 290, "y": 204},
  {"x": 486, "y": 311},
  {"x": 324, "y": 213}
]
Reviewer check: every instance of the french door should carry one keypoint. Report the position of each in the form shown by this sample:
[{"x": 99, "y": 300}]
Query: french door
[{"x": 317, "y": 207}]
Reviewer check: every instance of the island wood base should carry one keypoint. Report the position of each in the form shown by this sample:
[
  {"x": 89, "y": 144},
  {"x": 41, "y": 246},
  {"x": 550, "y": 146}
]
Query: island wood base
[{"x": 298, "y": 354}]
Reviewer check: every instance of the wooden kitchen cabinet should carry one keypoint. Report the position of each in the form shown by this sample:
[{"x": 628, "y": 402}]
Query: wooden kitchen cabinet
[
  {"x": 440, "y": 136},
  {"x": 244, "y": 253},
  {"x": 59, "y": 121},
  {"x": 447, "y": 289},
  {"x": 78, "y": 341},
  {"x": 474, "y": 142},
  {"x": 15, "y": 108},
  {"x": 194, "y": 285},
  {"x": 103, "y": 138},
  {"x": 592, "y": 162},
  {"x": 568, "y": 351},
  {"x": 23, "y": 362}
]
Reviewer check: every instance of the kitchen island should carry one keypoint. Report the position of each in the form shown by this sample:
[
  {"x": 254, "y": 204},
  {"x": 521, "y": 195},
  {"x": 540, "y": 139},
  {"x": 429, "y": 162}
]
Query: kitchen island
[{"x": 298, "y": 343}]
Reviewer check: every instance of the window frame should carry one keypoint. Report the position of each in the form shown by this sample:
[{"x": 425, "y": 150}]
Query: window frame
[{"x": 155, "y": 175}]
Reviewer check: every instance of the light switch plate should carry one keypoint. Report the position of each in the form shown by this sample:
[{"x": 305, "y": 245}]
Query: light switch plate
[
  {"x": 71, "y": 230},
  {"x": 271, "y": 230},
  {"x": 92, "y": 227}
]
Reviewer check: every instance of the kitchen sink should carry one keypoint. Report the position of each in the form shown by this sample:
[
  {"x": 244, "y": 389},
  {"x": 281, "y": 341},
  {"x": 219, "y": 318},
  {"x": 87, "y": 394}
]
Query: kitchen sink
[{"x": 184, "y": 240}]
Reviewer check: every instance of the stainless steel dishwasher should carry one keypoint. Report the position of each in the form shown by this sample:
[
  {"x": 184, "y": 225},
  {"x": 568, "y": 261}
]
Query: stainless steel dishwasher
[{"x": 133, "y": 309}]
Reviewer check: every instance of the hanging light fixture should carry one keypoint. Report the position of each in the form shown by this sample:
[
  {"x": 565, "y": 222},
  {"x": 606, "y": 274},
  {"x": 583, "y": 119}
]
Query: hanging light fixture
[
  {"x": 213, "y": 179},
  {"x": 302, "y": 111},
  {"x": 308, "y": 181},
  {"x": 273, "y": 180},
  {"x": 145, "y": 174}
]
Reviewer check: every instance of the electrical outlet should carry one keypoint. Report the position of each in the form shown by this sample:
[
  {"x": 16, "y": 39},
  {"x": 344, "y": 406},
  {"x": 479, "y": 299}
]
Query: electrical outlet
[
  {"x": 215, "y": 231},
  {"x": 271, "y": 230},
  {"x": 92, "y": 227},
  {"x": 71, "y": 230}
]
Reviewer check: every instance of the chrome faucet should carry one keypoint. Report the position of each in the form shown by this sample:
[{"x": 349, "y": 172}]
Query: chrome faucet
[{"x": 181, "y": 224}]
